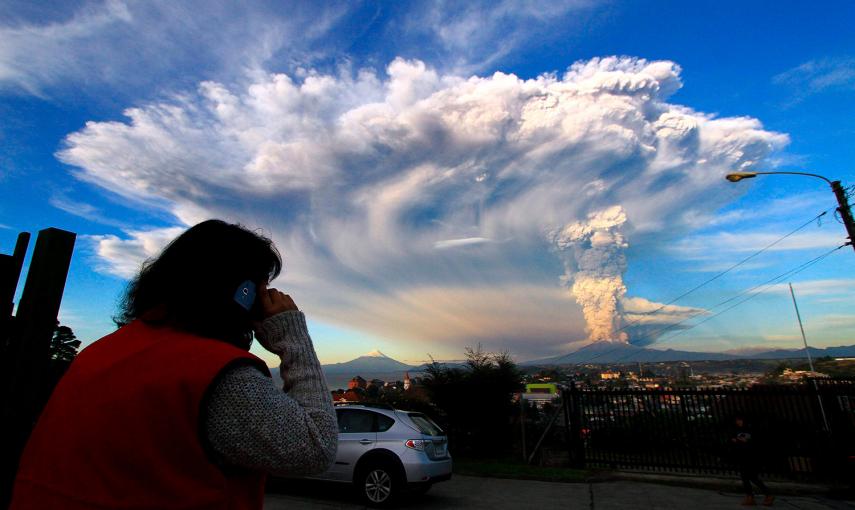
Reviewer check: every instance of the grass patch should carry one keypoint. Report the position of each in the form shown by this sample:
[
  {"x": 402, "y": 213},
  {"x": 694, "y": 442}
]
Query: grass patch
[{"x": 511, "y": 469}]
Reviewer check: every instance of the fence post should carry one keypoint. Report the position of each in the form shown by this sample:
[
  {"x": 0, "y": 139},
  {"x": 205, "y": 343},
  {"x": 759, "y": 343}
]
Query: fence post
[
  {"x": 522, "y": 426},
  {"x": 574, "y": 417},
  {"x": 568, "y": 436}
]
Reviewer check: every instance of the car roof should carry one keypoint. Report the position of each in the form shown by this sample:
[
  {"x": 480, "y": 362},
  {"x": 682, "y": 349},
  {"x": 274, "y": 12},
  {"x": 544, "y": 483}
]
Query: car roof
[{"x": 382, "y": 408}]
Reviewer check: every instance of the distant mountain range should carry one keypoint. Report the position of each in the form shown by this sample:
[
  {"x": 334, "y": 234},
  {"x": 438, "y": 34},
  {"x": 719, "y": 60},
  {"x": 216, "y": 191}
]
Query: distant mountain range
[
  {"x": 616, "y": 352},
  {"x": 842, "y": 351},
  {"x": 376, "y": 365}
]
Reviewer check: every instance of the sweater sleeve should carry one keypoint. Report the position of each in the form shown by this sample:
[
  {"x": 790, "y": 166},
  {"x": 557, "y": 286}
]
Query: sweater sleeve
[{"x": 252, "y": 423}]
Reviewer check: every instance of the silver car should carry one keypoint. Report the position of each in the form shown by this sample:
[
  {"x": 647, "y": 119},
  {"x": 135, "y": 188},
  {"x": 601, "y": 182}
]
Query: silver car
[{"x": 384, "y": 452}]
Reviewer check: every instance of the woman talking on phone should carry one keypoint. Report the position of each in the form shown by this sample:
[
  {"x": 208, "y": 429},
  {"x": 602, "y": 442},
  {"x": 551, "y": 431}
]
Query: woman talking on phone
[{"x": 171, "y": 410}]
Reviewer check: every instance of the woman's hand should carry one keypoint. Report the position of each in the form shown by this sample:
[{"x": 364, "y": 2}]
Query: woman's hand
[{"x": 273, "y": 301}]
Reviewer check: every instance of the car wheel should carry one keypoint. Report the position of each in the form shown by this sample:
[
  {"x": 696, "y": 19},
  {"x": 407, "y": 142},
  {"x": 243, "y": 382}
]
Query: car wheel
[{"x": 378, "y": 485}]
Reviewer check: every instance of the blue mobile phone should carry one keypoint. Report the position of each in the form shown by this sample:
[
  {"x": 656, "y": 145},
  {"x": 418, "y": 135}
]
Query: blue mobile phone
[{"x": 245, "y": 294}]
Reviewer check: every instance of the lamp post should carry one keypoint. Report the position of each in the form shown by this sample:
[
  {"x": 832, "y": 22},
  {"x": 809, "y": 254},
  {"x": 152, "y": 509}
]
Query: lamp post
[
  {"x": 846, "y": 215},
  {"x": 839, "y": 193}
]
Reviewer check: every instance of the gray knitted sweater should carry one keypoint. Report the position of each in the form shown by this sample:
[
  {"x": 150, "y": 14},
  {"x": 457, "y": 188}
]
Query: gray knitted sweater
[{"x": 252, "y": 423}]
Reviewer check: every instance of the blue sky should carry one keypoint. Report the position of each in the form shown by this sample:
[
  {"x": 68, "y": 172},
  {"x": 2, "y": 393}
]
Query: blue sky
[{"x": 437, "y": 174}]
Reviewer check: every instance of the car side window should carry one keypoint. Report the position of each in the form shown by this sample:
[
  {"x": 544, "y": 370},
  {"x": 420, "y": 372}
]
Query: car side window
[
  {"x": 384, "y": 423},
  {"x": 355, "y": 420}
]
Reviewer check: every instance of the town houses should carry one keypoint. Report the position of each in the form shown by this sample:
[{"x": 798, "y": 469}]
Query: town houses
[{"x": 361, "y": 390}]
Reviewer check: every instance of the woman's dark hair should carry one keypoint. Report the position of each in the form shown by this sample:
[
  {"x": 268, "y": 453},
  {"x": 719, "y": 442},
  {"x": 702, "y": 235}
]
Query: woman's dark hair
[{"x": 192, "y": 283}]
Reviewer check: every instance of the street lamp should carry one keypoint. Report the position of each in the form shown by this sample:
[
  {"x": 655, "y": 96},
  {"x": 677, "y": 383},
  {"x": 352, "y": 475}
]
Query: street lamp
[{"x": 845, "y": 212}]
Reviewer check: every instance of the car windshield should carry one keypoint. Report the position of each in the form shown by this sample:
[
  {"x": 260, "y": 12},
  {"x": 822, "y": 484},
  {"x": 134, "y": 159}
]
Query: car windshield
[{"x": 426, "y": 425}]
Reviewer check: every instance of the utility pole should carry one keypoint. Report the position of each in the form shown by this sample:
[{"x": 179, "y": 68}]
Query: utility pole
[
  {"x": 810, "y": 361},
  {"x": 804, "y": 338},
  {"x": 845, "y": 211}
]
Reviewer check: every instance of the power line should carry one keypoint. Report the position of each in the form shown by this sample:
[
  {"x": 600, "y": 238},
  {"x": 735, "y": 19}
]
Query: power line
[
  {"x": 731, "y": 268},
  {"x": 746, "y": 259},
  {"x": 708, "y": 281},
  {"x": 728, "y": 300},
  {"x": 767, "y": 283}
]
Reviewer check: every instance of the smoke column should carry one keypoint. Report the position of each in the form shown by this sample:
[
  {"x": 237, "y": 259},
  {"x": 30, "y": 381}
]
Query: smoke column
[{"x": 596, "y": 269}]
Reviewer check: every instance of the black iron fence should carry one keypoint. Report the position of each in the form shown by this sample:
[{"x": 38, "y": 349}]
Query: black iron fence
[{"x": 800, "y": 431}]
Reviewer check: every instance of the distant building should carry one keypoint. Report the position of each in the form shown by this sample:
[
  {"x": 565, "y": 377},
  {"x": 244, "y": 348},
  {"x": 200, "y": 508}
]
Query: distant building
[
  {"x": 357, "y": 382},
  {"x": 648, "y": 382},
  {"x": 547, "y": 388},
  {"x": 353, "y": 395},
  {"x": 407, "y": 382},
  {"x": 609, "y": 375},
  {"x": 377, "y": 383},
  {"x": 795, "y": 375},
  {"x": 540, "y": 393}
]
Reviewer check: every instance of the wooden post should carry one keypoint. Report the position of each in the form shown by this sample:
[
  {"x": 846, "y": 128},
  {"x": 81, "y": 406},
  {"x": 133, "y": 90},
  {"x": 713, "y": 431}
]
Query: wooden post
[
  {"x": 29, "y": 350},
  {"x": 35, "y": 319},
  {"x": 10, "y": 273}
]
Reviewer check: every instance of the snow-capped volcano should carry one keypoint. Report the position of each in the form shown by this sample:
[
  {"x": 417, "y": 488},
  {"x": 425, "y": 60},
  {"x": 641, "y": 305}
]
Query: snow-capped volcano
[
  {"x": 375, "y": 354},
  {"x": 371, "y": 363}
]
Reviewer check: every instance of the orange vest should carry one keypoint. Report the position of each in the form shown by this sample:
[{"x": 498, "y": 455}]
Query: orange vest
[{"x": 122, "y": 429}]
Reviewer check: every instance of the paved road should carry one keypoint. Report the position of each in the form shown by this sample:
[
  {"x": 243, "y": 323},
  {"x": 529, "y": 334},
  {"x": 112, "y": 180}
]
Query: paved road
[{"x": 498, "y": 494}]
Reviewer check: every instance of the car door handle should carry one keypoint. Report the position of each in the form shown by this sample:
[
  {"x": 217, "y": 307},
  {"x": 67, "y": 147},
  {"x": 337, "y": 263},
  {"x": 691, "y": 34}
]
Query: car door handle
[{"x": 365, "y": 441}]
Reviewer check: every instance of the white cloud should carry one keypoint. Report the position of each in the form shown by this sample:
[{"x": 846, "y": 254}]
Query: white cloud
[
  {"x": 454, "y": 243},
  {"x": 644, "y": 311},
  {"x": 84, "y": 47},
  {"x": 833, "y": 321},
  {"x": 360, "y": 178},
  {"x": 827, "y": 287},
  {"x": 775, "y": 209},
  {"x": 705, "y": 246},
  {"x": 32, "y": 55},
  {"x": 97, "y": 45},
  {"x": 646, "y": 321},
  {"x": 528, "y": 318},
  {"x": 124, "y": 257},
  {"x": 779, "y": 339},
  {"x": 707, "y": 264},
  {"x": 816, "y": 76},
  {"x": 474, "y": 35},
  {"x": 82, "y": 209},
  {"x": 63, "y": 202}
]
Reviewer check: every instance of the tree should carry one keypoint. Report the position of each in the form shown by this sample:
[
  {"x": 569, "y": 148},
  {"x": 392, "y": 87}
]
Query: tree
[
  {"x": 63, "y": 350},
  {"x": 474, "y": 403},
  {"x": 778, "y": 369},
  {"x": 372, "y": 392},
  {"x": 63, "y": 345}
]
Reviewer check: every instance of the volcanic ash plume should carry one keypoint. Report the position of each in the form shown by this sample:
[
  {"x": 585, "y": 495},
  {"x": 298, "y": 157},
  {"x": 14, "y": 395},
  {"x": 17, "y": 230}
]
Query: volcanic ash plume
[{"x": 596, "y": 269}]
